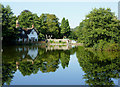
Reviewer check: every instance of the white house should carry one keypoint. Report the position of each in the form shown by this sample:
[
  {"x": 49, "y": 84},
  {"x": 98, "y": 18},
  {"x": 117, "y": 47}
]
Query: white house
[
  {"x": 27, "y": 35},
  {"x": 33, "y": 35}
]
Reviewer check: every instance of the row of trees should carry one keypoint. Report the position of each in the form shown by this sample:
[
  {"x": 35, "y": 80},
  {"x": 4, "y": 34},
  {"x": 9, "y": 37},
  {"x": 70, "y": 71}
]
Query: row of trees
[
  {"x": 8, "y": 23},
  {"x": 99, "y": 29},
  {"x": 46, "y": 24}
]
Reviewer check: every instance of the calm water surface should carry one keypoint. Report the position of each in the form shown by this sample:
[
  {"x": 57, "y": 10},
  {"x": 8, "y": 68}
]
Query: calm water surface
[{"x": 61, "y": 65}]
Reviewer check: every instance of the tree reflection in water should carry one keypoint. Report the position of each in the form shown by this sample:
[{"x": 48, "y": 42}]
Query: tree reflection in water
[
  {"x": 99, "y": 67},
  {"x": 30, "y": 59}
]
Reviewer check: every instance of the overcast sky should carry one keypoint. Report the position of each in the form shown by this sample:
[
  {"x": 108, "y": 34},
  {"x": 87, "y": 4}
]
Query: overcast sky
[{"x": 73, "y": 10}]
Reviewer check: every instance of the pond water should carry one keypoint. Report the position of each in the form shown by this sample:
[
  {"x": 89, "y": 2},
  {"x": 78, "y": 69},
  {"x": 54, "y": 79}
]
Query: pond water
[{"x": 60, "y": 65}]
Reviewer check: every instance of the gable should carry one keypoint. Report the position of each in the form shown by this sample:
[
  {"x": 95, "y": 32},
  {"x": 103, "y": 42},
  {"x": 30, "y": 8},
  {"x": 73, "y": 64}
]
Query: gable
[{"x": 33, "y": 32}]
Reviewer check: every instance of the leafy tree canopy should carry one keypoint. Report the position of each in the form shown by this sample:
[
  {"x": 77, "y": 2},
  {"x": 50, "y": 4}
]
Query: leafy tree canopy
[
  {"x": 99, "y": 24},
  {"x": 65, "y": 28},
  {"x": 27, "y": 18}
]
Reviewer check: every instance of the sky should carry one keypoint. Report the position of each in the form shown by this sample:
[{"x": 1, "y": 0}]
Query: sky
[{"x": 75, "y": 11}]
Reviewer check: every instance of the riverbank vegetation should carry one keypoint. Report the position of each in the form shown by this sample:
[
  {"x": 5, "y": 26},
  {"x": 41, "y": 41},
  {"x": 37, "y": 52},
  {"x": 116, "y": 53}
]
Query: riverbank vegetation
[
  {"x": 100, "y": 30},
  {"x": 47, "y": 25}
]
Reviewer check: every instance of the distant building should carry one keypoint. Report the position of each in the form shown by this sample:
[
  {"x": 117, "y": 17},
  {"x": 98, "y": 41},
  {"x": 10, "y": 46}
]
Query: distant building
[
  {"x": 27, "y": 35},
  {"x": 119, "y": 10}
]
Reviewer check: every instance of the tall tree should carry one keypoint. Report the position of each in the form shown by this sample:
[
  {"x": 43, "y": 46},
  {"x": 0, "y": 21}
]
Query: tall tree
[
  {"x": 49, "y": 25},
  {"x": 99, "y": 25},
  {"x": 73, "y": 33},
  {"x": 27, "y": 18},
  {"x": 8, "y": 24},
  {"x": 65, "y": 28}
]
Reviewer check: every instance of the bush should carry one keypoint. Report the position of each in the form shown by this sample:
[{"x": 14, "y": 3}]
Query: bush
[
  {"x": 111, "y": 47},
  {"x": 51, "y": 41},
  {"x": 100, "y": 45},
  {"x": 106, "y": 46},
  {"x": 60, "y": 41}
]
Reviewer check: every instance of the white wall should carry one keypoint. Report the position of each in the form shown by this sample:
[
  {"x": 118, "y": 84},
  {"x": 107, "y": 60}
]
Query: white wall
[{"x": 33, "y": 34}]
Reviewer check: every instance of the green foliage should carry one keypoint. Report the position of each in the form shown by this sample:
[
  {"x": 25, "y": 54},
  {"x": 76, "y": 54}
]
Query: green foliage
[
  {"x": 26, "y": 19},
  {"x": 26, "y": 68},
  {"x": 112, "y": 47},
  {"x": 51, "y": 41},
  {"x": 8, "y": 24},
  {"x": 60, "y": 41},
  {"x": 100, "y": 66},
  {"x": 49, "y": 25},
  {"x": 65, "y": 58},
  {"x": 41, "y": 36},
  {"x": 99, "y": 24},
  {"x": 46, "y": 24},
  {"x": 7, "y": 72},
  {"x": 106, "y": 46},
  {"x": 73, "y": 33},
  {"x": 65, "y": 28}
]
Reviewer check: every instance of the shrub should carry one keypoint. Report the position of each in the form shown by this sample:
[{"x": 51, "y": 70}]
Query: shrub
[
  {"x": 111, "y": 47},
  {"x": 60, "y": 41},
  {"x": 51, "y": 41},
  {"x": 106, "y": 46}
]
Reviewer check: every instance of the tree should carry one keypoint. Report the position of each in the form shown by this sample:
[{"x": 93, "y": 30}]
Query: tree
[
  {"x": 8, "y": 24},
  {"x": 99, "y": 24},
  {"x": 65, "y": 28},
  {"x": 27, "y": 18},
  {"x": 73, "y": 33},
  {"x": 49, "y": 25},
  {"x": 42, "y": 29}
]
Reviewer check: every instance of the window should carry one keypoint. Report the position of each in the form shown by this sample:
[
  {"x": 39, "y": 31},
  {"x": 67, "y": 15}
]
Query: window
[{"x": 23, "y": 32}]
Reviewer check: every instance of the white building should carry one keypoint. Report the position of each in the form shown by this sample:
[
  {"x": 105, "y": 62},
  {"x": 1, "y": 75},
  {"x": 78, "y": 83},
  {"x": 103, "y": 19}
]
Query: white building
[
  {"x": 33, "y": 35},
  {"x": 27, "y": 35}
]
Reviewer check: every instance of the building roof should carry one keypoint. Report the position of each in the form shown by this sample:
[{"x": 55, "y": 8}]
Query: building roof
[
  {"x": 23, "y": 35},
  {"x": 26, "y": 30}
]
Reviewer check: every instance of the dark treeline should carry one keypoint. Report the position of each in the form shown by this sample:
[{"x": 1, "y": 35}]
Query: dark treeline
[{"x": 46, "y": 24}]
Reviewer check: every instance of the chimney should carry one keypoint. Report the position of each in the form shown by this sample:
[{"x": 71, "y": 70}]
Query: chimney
[
  {"x": 17, "y": 24},
  {"x": 32, "y": 26}
]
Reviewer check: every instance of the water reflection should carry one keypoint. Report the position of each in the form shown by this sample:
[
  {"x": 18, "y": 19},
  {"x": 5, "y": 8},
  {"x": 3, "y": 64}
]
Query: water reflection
[
  {"x": 30, "y": 59},
  {"x": 99, "y": 67}
]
